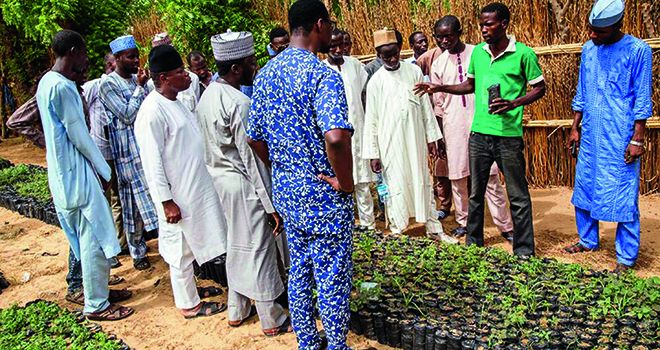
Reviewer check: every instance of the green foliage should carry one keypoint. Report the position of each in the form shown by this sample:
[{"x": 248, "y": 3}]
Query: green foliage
[
  {"x": 27, "y": 181},
  {"x": 44, "y": 325},
  {"x": 191, "y": 23}
]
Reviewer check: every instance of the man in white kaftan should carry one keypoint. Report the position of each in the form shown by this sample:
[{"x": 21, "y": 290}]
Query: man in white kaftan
[
  {"x": 190, "y": 96},
  {"x": 400, "y": 131},
  {"x": 457, "y": 112},
  {"x": 355, "y": 78},
  {"x": 191, "y": 218},
  {"x": 243, "y": 183}
]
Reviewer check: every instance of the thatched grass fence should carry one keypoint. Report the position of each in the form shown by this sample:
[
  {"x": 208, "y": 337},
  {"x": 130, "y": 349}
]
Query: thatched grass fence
[{"x": 555, "y": 28}]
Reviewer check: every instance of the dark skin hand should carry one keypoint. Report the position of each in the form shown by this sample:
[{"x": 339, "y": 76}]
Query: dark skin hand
[
  {"x": 498, "y": 106},
  {"x": 142, "y": 76},
  {"x": 279, "y": 226},
  {"x": 172, "y": 211},
  {"x": 338, "y": 147}
]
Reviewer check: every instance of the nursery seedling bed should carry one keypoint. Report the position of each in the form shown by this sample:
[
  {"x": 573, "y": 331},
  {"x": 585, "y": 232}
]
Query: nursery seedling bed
[
  {"x": 24, "y": 189},
  {"x": 422, "y": 295},
  {"x": 44, "y": 325}
]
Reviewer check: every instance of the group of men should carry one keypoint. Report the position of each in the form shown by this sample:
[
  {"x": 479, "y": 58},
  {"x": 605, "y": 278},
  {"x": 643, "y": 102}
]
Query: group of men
[{"x": 223, "y": 171}]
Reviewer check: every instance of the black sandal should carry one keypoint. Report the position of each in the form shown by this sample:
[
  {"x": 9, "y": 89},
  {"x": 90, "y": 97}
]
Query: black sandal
[
  {"x": 208, "y": 292},
  {"x": 141, "y": 264},
  {"x": 119, "y": 295},
  {"x": 208, "y": 309}
]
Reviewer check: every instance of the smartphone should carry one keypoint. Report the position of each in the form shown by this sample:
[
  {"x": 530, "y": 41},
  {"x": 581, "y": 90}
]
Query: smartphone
[
  {"x": 574, "y": 150},
  {"x": 493, "y": 93}
]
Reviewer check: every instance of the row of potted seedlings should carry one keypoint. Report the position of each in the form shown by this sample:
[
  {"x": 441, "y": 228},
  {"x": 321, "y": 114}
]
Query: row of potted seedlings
[{"x": 418, "y": 294}]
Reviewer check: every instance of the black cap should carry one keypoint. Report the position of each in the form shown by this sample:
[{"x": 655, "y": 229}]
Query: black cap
[{"x": 164, "y": 58}]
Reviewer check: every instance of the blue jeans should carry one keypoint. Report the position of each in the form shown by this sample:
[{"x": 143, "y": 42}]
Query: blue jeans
[
  {"x": 74, "y": 276},
  {"x": 507, "y": 152}
]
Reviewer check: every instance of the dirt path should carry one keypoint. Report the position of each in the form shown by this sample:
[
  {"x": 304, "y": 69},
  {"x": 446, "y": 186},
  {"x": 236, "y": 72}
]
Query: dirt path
[{"x": 157, "y": 324}]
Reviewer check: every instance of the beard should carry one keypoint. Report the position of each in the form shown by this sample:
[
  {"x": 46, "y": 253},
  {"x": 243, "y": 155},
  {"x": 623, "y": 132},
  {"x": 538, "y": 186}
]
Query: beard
[
  {"x": 324, "y": 48},
  {"x": 394, "y": 67}
]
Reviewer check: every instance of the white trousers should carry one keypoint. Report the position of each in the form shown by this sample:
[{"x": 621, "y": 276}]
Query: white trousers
[
  {"x": 271, "y": 314},
  {"x": 495, "y": 197},
  {"x": 433, "y": 225},
  {"x": 184, "y": 287},
  {"x": 365, "y": 205}
]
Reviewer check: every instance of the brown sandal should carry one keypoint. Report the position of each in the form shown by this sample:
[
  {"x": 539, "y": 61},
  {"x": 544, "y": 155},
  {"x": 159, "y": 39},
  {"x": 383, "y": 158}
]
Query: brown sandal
[
  {"x": 253, "y": 312},
  {"x": 114, "y": 312},
  {"x": 77, "y": 298},
  {"x": 577, "y": 248},
  {"x": 284, "y": 328},
  {"x": 115, "y": 280}
]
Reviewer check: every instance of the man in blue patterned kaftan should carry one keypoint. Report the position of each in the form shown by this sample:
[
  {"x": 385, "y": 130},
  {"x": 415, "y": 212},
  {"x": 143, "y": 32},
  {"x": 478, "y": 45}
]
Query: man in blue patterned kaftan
[
  {"x": 298, "y": 122},
  {"x": 613, "y": 101},
  {"x": 122, "y": 93}
]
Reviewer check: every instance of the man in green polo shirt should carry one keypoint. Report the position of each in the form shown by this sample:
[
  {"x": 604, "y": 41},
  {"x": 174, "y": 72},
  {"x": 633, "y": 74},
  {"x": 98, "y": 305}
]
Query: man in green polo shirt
[{"x": 507, "y": 66}]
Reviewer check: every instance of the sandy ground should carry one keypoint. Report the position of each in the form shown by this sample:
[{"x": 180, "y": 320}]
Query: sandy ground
[{"x": 32, "y": 247}]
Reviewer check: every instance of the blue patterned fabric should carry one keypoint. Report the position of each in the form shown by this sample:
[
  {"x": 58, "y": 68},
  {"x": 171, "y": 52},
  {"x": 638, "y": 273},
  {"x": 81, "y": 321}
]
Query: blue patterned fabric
[
  {"x": 614, "y": 90},
  {"x": 122, "y": 99},
  {"x": 296, "y": 100},
  {"x": 122, "y": 43}
]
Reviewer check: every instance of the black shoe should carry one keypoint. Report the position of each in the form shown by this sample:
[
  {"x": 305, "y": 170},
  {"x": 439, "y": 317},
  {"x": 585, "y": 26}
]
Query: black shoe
[
  {"x": 443, "y": 214},
  {"x": 141, "y": 264},
  {"x": 508, "y": 236},
  {"x": 114, "y": 262},
  {"x": 459, "y": 231}
]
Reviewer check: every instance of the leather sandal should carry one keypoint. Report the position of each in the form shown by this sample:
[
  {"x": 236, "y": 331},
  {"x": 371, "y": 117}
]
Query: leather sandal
[
  {"x": 208, "y": 309},
  {"x": 577, "y": 248},
  {"x": 119, "y": 295},
  {"x": 114, "y": 312},
  {"x": 284, "y": 328},
  {"x": 253, "y": 312}
]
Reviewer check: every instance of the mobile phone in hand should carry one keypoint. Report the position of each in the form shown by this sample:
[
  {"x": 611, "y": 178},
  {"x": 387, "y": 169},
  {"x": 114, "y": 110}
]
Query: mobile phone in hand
[
  {"x": 493, "y": 93},
  {"x": 574, "y": 150}
]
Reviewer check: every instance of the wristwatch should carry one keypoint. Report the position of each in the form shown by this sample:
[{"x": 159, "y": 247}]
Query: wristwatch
[{"x": 638, "y": 144}]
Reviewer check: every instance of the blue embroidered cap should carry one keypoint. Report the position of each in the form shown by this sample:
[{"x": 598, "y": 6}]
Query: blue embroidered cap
[
  {"x": 606, "y": 13},
  {"x": 122, "y": 43}
]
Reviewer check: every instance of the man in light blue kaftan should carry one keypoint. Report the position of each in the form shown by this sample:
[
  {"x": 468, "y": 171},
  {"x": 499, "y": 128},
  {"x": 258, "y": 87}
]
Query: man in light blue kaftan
[
  {"x": 74, "y": 166},
  {"x": 298, "y": 105},
  {"x": 613, "y": 101}
]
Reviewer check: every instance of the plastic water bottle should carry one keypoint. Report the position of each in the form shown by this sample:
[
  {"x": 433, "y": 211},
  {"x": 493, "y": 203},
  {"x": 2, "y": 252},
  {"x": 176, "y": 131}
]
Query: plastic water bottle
[{"x": 382, "y": 189}]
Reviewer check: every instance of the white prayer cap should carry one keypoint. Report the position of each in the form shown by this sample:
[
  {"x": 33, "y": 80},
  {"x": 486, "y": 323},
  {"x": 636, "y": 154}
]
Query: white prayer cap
[
  {"x": 606, "y": 13},
  {"x": 122, "y": 43},
  {"x": 384, "y": 37},
  {"x": 161, "y": 39},
  {"x": 231, "y": 46}
]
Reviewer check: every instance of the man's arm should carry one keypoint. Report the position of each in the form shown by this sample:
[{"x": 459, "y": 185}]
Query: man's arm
[
  {"x": 338, "y": 147},
  {"x": 500, "y": 105},
  {"x": 254, "y": 171},
  {"x": 113, "y": 99},
  {"x": 71, "y": 115},
  {"x": 26, "y": 121},
  {"x": 464, "y": 88},
  {"x": 643, "y": 107},
  {"x": 261, "y": 149}
]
